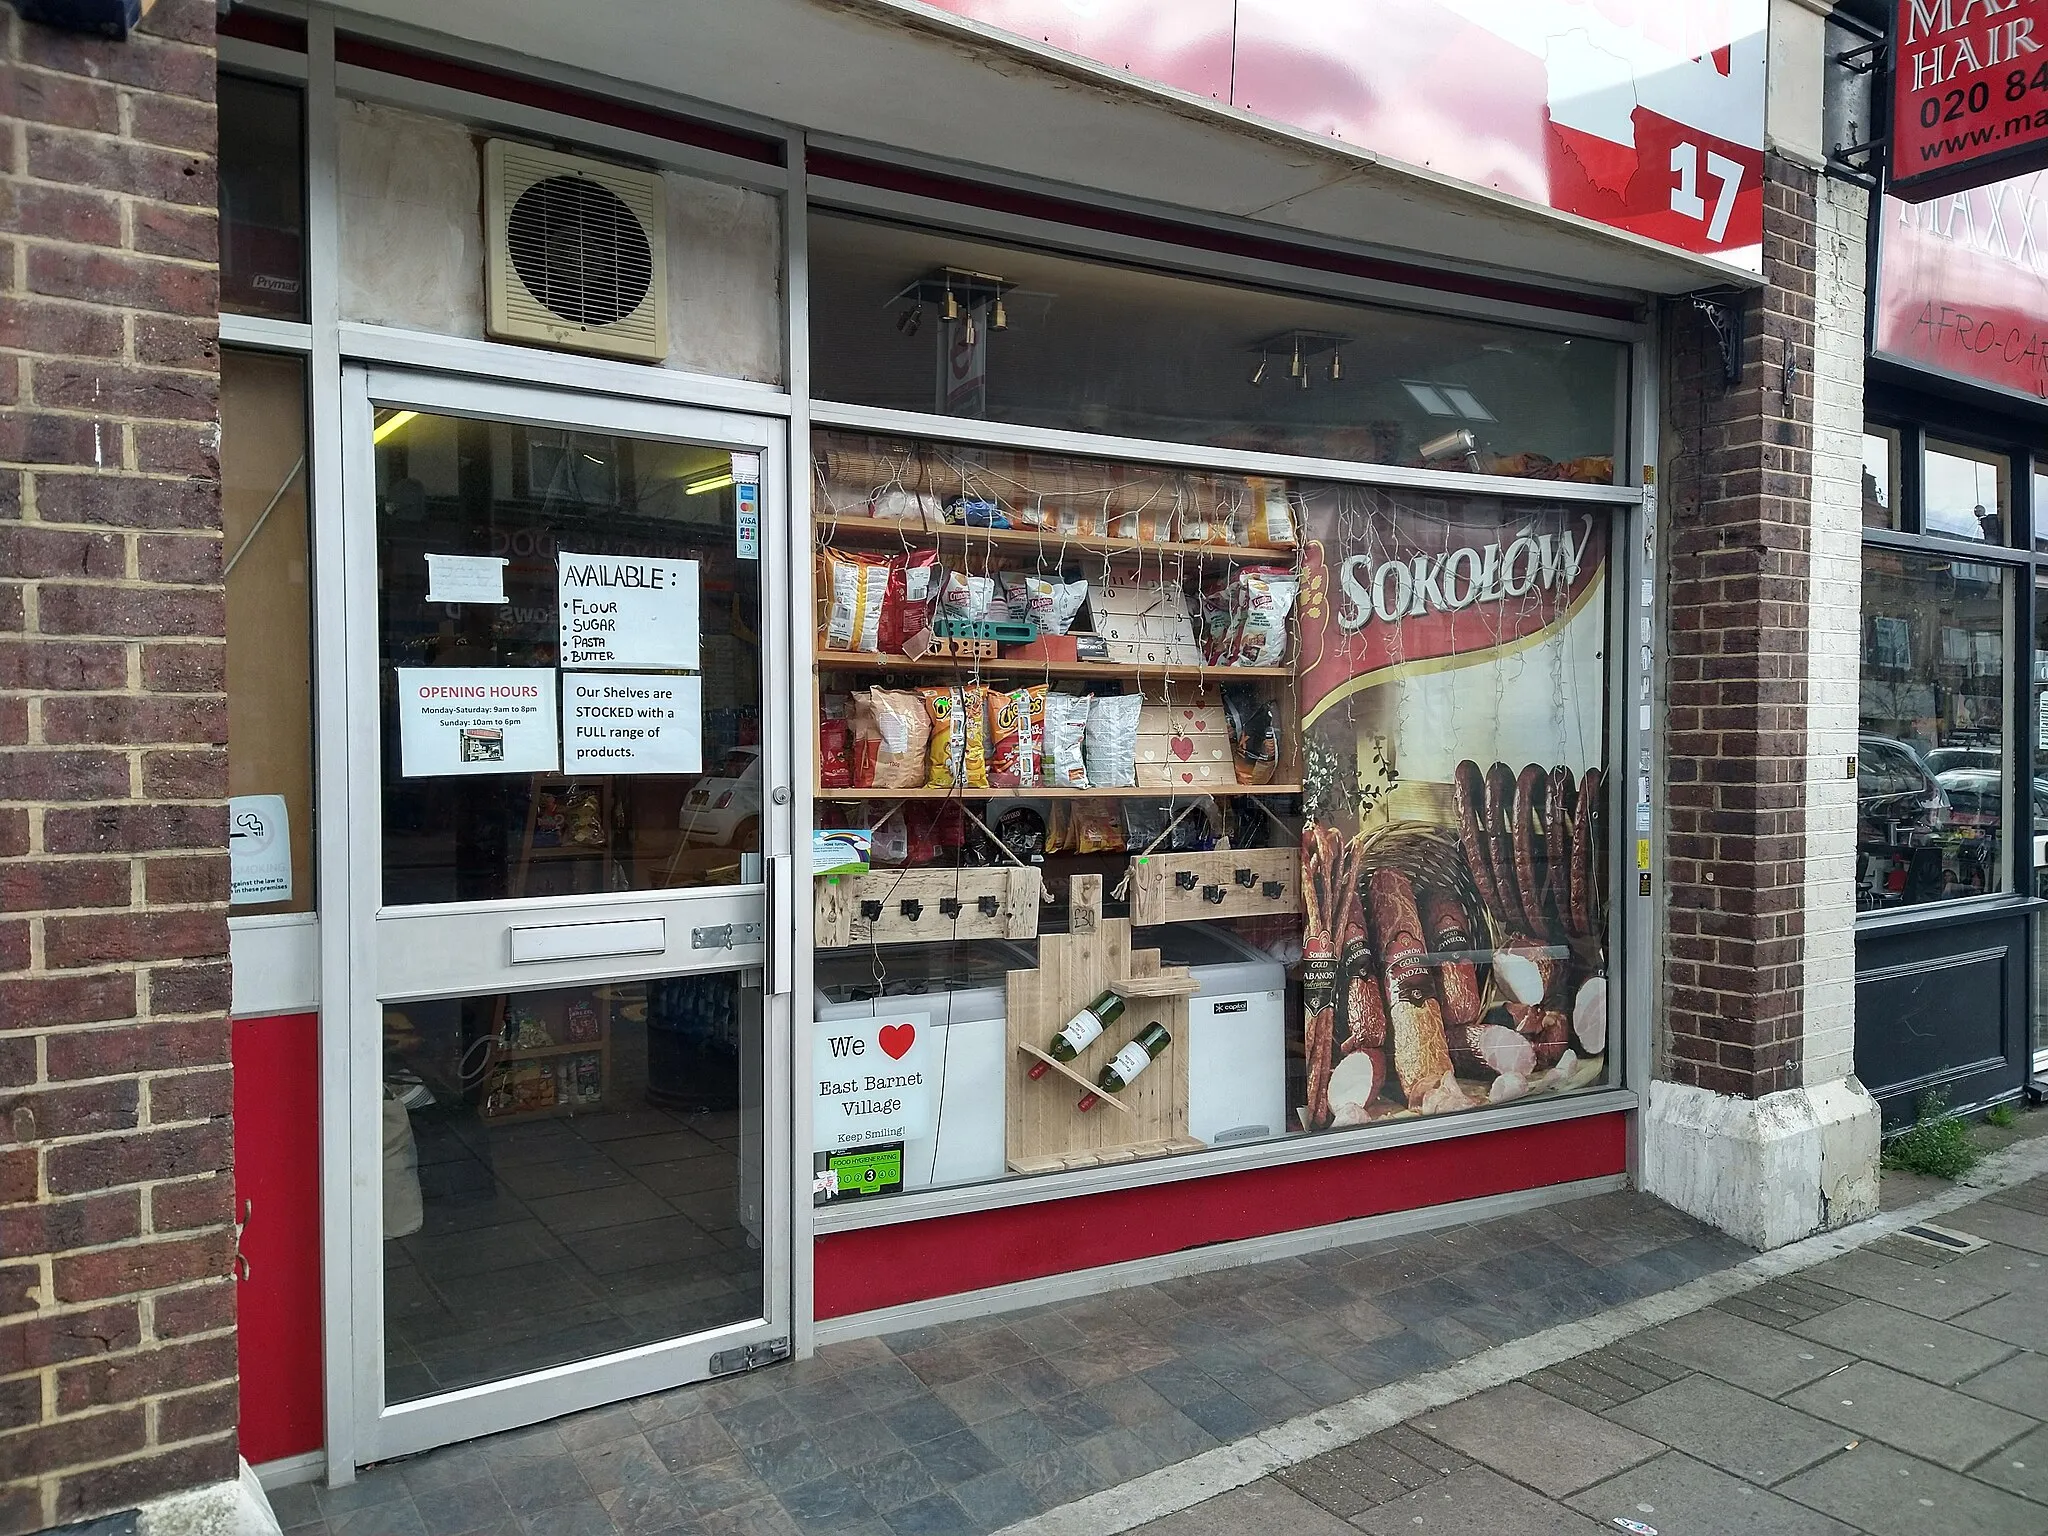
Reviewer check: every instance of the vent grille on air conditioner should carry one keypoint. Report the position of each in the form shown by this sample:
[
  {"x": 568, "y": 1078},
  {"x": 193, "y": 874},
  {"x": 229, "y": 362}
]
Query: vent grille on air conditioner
[{"x": 577, "y": 253}]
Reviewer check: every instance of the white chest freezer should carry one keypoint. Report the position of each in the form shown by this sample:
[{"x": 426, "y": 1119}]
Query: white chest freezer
[{"x": 1237, "y": 1031}]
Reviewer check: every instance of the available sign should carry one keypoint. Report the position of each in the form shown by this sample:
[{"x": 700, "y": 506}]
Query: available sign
[
  {"x": 1969, "y": 94},
  {"x": 875, "y": 1081},
  {"x": 627, "y": 611},
  {"x": 626, "y": 722},
  {"x": 457, "y": 720}
]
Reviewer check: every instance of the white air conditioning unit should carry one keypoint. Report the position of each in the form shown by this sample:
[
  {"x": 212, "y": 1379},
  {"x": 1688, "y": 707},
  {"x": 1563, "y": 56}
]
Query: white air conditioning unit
[{"x": 577, "y": 252}]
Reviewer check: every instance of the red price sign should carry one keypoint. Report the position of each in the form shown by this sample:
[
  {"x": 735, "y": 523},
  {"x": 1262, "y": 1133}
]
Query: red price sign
[{"x": 1969, "y": 94}]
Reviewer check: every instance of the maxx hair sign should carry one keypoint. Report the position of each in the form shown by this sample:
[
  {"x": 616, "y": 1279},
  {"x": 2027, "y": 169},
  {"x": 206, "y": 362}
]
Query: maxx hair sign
[
  {"x": 1645, "y": 115},
  {"x": 1969, "y": 94}
]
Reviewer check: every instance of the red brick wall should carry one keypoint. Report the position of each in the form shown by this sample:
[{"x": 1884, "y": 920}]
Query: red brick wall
[
  {"x": 117, "y": 1305},
  {"x": 1737, "y": 492}
]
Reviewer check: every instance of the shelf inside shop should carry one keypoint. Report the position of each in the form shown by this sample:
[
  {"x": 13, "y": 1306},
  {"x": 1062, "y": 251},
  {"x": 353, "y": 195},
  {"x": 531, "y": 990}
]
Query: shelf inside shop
[
  {"x": 892, "y": 531},
  {"x": 530, "y": 1052},
  {"x": 1001, "y": 666},
  {"x": 1051, "y": 792},
  {"x": 1102, "y": 1095}
]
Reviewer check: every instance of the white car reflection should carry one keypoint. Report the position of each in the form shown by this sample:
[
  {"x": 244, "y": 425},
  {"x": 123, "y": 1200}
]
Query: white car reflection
[{"x": 724, "y": 810}]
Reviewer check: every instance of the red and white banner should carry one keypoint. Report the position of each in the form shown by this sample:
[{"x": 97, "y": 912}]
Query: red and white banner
[
  {"x": 1969, "y": 94},
  {"x": 1646, "y": 115},
  {"x": 1963, "y": 285}
]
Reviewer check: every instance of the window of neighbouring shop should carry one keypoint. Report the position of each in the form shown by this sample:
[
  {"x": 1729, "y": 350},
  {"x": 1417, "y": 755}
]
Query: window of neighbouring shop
[
  {"x": 1167, "y": 807},
  {"x": 1935, "y": 771},
  {"x": 262, "y": 199}
]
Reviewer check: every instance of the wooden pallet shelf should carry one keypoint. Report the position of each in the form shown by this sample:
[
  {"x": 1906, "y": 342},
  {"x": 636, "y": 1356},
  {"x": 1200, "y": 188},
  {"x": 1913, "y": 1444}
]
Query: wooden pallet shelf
[
  {"x": 1129, "y": 1152},
  {"x": 1006, "y": 666},
  {"x": 1048, "y": 792},
  {"x": 898, "y": 531},
  {"x": 1102, "y": 1095}
]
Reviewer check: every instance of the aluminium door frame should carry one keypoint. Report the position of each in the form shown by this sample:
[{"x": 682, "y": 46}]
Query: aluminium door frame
[{"x": 353, "y": 1195}]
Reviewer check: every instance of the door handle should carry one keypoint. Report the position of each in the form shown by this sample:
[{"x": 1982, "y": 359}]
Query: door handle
[{"x": 775, "y": 925}]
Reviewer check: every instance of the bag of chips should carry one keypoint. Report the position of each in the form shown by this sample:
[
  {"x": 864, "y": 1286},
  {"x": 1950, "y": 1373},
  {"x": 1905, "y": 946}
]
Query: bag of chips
[
  {"x": 1051, "y": 605},
  {"x": 962, "y": 596},
  {"x": 894, "y": 756},
  {"x": 1066, "y": 726},
  {"x": 958, "y": 749},
  {"x": 1254, "y": 735},
  {"x": 1263, "y": 602},
  {"x": 858, "y": 587},
  {"x": 913, "y": 585},
  {"x": 835, "y": 763},
  {"x": 1110, "y": 741},
  {"x": 1016, "y": 736},
  {"x": 1272, "y": 520},
  {"x": 1095, "y": 827}
]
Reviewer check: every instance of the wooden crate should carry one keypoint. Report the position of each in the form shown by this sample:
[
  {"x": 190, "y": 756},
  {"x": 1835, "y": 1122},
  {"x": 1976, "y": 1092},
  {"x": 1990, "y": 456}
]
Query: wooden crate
[
  {"x": 1044, "y": 1129},
  {"x": 1177, "y": 887},
  {"x": 911, "y": 906},
  {"x": 1146, "y": 623},
  {"x": 1184, "y": 746}
]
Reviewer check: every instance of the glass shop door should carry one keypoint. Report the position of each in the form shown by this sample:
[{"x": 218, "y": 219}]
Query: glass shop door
[{"x": 569, "y": 826}]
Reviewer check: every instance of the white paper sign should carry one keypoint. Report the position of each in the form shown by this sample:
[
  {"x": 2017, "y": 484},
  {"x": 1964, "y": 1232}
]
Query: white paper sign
[
  {"x": 627, "y": 611},
  {"x": 476, "y": 720},
  {"x": 259, "y": 850},
  {"x": 465, "y": 578},
  {"x": 632, "y": 722},
  {"x": 875, "y": 1081}
]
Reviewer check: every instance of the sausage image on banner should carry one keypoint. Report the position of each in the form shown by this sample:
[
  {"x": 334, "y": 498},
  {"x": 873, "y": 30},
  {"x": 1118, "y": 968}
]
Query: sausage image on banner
[{"x": 1454, "y": 848}]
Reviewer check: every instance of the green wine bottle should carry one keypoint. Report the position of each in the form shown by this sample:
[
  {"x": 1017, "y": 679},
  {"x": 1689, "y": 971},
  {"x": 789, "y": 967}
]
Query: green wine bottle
[
  {"x": 1123, "y": 1068},
  {"x": 1082, "y": 1030}
]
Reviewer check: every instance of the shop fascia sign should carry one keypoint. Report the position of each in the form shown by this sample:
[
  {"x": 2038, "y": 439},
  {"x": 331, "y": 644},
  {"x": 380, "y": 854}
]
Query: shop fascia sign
[
  {"x": 1644, "y": 115},
  {"x": 1969, "y": 94}
]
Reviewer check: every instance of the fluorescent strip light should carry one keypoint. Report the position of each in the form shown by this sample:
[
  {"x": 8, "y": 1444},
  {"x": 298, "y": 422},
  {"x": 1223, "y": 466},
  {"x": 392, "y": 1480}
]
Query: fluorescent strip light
[
  {"x": 713, "y": 483},
  {"x": 391, "y": 424}
]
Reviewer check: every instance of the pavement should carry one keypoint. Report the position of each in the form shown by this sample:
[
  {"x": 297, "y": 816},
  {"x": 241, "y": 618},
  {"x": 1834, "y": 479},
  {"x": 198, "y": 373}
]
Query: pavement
[
  {"x": 1893, "y": 1387},
  {"x": 1599, "y": 1364}
]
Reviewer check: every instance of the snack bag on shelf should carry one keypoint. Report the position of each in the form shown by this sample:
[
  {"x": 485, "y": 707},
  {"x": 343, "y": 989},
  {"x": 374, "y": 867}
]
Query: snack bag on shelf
[
  {"x": 962, "y": 596},
  {"x": 549, "y": 819},
  {"x": 913, "y": 586},
  {"x": 859, "y": 587},
  {"x": 1040, "y": 600},
  {"x": 586, "y": 818},
  {"x": 958, "y": 752},
  {"x": 1215, "y": 617},
  {"x": 902, "y": 729},
  {"x": 888, "y": 837},
  {"x": 1066, "y": 728},
  {"x": 1095, "y": 827},
  {"x": 1110, "y": 740},
  {"x": 835, "y": 757},
  {"x": 1270, "y": 523},
  {"x": 1265, "y": 598},
  {"x": 1254, "y": 735},
  {"x": 909, "y": 506},
  {"x": 976, "y": 512},
  {"x": 1016, "y": 734}
]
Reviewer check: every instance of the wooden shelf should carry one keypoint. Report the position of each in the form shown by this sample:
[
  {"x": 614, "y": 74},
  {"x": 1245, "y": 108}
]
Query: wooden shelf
[
  {"x": 896, "y": 531},
  {"x": 535, "y": 1052},
  {"x": 1166, "y": 984},
  {"x": 1102, "y": 1095},
  {"x": 1128, "y": 1152},
  {"x": 1048, "y": 792},
  {"x": 1007, "y": 666}
]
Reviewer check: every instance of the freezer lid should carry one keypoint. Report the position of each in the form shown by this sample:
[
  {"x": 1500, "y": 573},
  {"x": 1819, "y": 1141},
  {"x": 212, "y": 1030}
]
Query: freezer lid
[{"x": 955, "y": 982}]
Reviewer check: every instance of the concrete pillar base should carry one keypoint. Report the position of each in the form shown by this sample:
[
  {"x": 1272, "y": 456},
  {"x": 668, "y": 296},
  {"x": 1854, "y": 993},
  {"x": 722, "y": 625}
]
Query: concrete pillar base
[
  {"x": 237, "y": 1508},
  {"x": 1771, "y": 1170}
]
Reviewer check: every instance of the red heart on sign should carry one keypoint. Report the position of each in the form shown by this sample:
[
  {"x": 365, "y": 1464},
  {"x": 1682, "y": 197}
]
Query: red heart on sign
[
  {"x": 896, "y": 1040},
  {"x": 1182, "y": 748}
]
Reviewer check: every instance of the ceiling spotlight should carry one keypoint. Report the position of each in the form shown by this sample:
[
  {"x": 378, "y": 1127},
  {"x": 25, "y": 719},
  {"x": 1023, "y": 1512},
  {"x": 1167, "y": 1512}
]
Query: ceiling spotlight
[
  {"x": 970, "y": 329},
  {"x": 1294, "y": 363},
  {"x": 997, "y": 320},
  {"x": 1336, "y": 366},
  {"x": 1259, "y": 373},
  {"x": 949, "y": 308},
  {"x": 910, "y": 320}
]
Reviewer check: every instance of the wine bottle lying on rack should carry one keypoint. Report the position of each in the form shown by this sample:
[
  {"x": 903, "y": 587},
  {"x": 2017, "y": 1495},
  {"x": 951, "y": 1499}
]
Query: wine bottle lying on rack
[
  {"x": 1123, "y": 1068},
  {"x": 1081, "y": 1031}
]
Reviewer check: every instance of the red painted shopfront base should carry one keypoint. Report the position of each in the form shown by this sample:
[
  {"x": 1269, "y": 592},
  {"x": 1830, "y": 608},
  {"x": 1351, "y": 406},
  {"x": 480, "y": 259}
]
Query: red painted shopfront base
[{"x": 916, "y": 1261}]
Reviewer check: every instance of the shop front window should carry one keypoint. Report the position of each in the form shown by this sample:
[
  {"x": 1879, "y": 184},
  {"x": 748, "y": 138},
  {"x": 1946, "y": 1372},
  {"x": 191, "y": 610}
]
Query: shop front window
[
  {"x": 1164, "y": 810},
  {"x": 1881, "y": 477},
  {"x": 262, "y": 199},
  {"x": 1933, "y": 774},
  {"x": 267, "y": 566},
  {"x": 921, "y": 321},
  {"x": 1966, "y": 493}
]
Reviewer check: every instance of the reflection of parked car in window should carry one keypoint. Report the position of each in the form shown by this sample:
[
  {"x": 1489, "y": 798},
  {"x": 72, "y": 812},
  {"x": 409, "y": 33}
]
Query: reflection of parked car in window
[
  {"x": 1896, "y": 795},
  {"x": 1976, "y": 796},
  {"x": 726, "y": 803},
  {"x": 1944, "y": 760}
]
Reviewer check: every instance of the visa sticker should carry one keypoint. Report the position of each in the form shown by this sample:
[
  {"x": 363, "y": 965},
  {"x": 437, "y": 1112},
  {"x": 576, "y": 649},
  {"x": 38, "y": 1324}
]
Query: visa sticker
[{"x": 748, "y": 495}]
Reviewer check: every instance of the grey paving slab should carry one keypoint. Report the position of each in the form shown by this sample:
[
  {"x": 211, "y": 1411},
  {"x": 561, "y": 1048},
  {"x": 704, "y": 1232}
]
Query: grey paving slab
[
  {"x": 2001, "y": 1224},
  {"x": 1911, "y": 1415},
  {"x": 1767, "y": 1361},
  {"x": 1677, "y": 1494},
  {"x": 2021, "y": 1467},
  {"x": 2020, "y": 1318},
  {"x": 1919, "y": 1346},
  {"x": 1264, "y": 1506},
  {"x": 1889, "y": 1493},
  {"x": 1536, "y": 1439},
  {"x": 2020, "y": 1384},
  {"x": 1729, "y": 1428},
  {"x": 1467, "y": 1503},
  {"x": 1938, "y": 1293}
]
